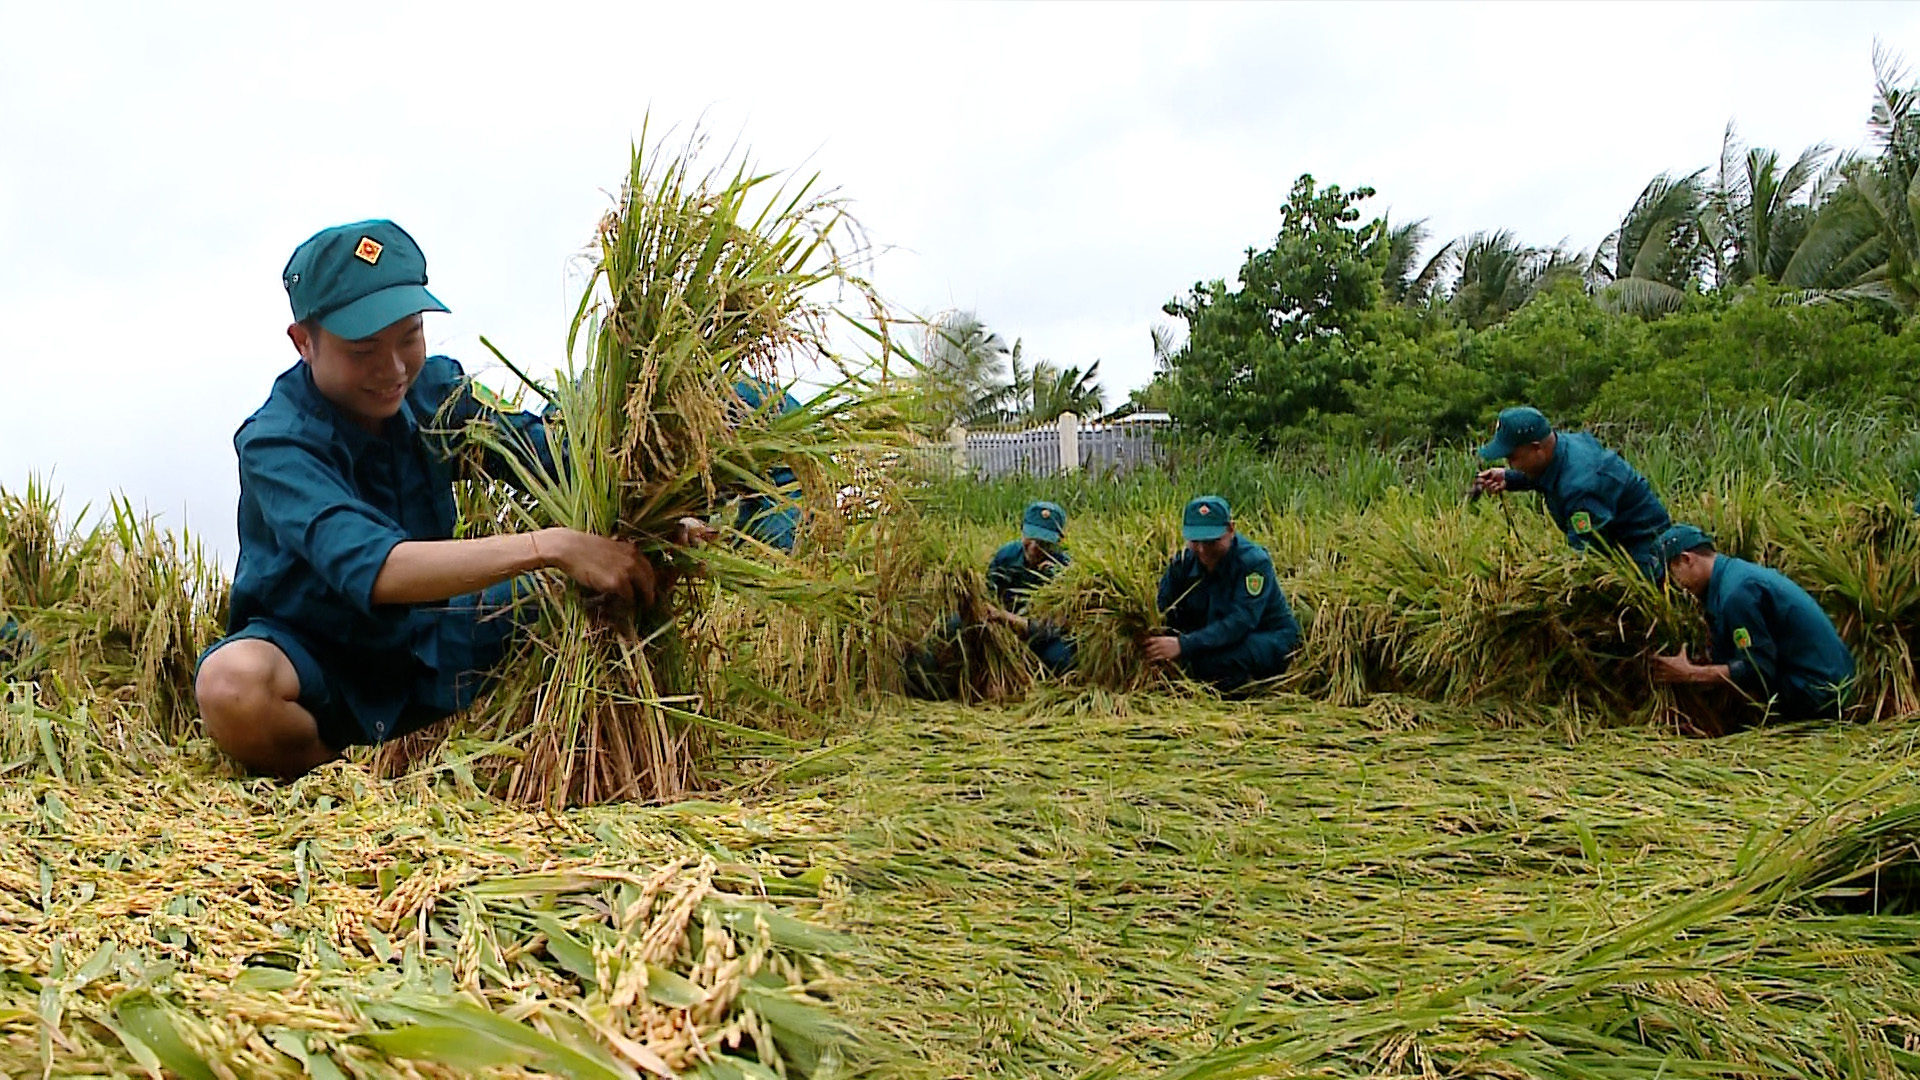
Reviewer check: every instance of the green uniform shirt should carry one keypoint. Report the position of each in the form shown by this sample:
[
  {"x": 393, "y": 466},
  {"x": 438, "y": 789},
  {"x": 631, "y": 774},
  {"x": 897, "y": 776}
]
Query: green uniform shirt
[
  {"x": 1013, "y": 580},
  {"x": 1774, "y": 638},
  {"x": 1594, "y": 495},
  {"x": 1241, "y": 597}
]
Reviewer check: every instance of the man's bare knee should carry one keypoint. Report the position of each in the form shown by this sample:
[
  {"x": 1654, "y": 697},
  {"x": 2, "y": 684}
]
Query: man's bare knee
[
  {"x": 241, "y": 682},
  {"x": 249, "y": 699}
]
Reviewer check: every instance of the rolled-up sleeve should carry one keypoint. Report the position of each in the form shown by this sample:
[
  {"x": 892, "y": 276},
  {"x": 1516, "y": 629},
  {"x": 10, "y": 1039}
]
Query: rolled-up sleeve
[{"x": 307, "y": 505}]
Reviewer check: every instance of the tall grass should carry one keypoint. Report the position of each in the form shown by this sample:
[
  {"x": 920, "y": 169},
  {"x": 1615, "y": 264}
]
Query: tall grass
[{"x": 1790, "y": 444}]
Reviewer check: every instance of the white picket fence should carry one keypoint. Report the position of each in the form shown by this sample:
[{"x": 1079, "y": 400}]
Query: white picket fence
[{"x": 1065, "y": 446}]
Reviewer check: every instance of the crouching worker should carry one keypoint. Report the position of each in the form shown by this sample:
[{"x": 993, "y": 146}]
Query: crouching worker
[
  {"x": 1232, "y": 623},
  {"x": 1595, "y": 497},
  {"x": 356, "y": 617},
  {"x": 1771, "y": 640},
  {"x": 935, "y": 668},
  {"x": 1023, "y": 565}
]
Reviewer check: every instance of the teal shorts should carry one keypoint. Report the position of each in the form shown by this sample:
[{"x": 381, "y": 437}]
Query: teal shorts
[{"x": 359, "y": 698}]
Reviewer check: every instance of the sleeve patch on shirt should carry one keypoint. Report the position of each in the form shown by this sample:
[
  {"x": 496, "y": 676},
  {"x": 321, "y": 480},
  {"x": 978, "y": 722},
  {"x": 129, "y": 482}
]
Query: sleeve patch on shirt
[
  {"x": 486, "y": 397},
  {"x": 1742, "y": 639},
  {"x": 1255, "y": 583},
  {"x": 1582, "y": 522}
]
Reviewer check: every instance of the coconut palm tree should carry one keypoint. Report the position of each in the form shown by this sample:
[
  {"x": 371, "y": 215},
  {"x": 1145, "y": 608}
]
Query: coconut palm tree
[
  {"x": 1498, "y": 275},
  {"x": 1863, "y": 243},
  {"x": 1647, "y": 264},
  {"x": 1757, "y": 213},
  {"x": 1404, "y": 284},
  {"x": 1059, "y": 390},
  {"x": 963, "y": 370}
]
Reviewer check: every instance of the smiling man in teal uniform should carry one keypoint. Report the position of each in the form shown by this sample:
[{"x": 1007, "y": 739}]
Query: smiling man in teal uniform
[{"x": 356, "y": 616}]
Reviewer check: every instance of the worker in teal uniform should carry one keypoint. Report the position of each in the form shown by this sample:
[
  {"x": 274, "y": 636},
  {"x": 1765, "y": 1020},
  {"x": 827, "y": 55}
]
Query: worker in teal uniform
[
  {"x": 16, "y": 646},
  {"x": 1023, "y": 565},
  {"x": 1231, "y": 623},
  {"x": 771, "y": 518},
  {"x": 356, "y": 616},
  {"x": 1771, "y": 640},
  {"x": 1595, "y": 497},
  {"x": 1016, "y": 569}
]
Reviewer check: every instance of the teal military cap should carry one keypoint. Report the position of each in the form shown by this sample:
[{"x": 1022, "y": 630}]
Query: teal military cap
[
  {"x": 1677, "y": 540},
  {"x": 1517, "y": 426},
  {"x": 1044, "y": 521},
  {"x": 1206, "y": 518},
  {"x": 358, "y": 279}
]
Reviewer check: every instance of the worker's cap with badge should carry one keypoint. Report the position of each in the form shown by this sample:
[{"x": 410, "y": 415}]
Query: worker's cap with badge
[
  {"x": 1676, "y": 541},
  {"x": 1516, "y": 427},
  {"x": 1206, "y": 518},
  {"x": 1044, "y": 521},
  {"x": 356, "y": 280}
]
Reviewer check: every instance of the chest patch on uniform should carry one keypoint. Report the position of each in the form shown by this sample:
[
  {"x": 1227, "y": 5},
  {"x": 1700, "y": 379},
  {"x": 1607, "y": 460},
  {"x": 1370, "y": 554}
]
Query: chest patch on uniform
[
  {"x": 1742, "y": 639},
  {"x": 1582, "y": 522},
  {"x": 1255, "y": 583}
]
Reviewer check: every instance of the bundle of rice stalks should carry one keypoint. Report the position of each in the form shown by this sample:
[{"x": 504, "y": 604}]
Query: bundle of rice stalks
[
  {"x": 790, "y": 663},
  {"x": 965, "y": 655},
  {"x": 1106, "y": 600},
  {"x": 111, "y": 618},
  {"x": 42, "y": 561},
  {"x": 1445, "y": 607},
  {"x": 163, "y": 601},
  {"x": 700, "y": 283},
  {"x": 1863, "y": 562}
]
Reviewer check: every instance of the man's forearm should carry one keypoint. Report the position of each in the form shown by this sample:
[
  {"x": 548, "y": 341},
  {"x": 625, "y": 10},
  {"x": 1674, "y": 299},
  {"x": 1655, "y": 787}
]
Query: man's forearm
[
  {"x": 425, "y": 571},
  {"x": 1712, "y": 673}
]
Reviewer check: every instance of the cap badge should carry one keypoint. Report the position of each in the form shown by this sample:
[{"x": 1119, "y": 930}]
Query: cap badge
[
  {"x": 1046, "y": 513},
  {"x": 1205, "y": 510},
  {"x": 369, "y": 250}
]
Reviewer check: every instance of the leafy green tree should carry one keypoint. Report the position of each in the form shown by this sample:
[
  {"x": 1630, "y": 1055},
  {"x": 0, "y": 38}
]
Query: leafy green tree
[
  {"x": 1279, "y": 350},
  {"x": 1157, "y": 395}
]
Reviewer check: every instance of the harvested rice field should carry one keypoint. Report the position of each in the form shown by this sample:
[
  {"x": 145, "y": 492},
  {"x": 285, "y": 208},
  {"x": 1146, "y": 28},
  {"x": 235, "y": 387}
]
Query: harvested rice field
[{"x": 1084, "y": 885}]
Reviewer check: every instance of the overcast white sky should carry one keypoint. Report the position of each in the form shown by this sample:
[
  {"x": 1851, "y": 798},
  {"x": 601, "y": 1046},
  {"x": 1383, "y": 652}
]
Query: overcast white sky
[{"x": 1062, "y": 170}]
